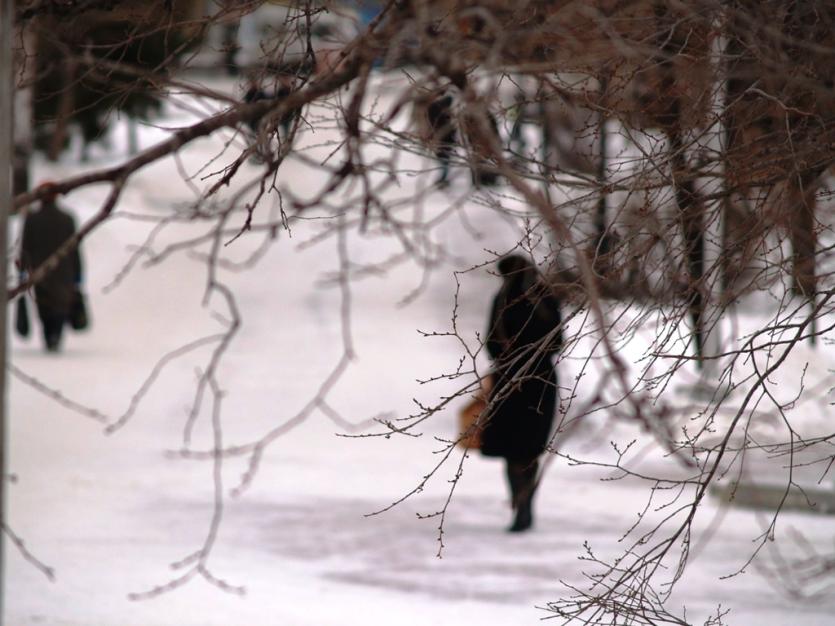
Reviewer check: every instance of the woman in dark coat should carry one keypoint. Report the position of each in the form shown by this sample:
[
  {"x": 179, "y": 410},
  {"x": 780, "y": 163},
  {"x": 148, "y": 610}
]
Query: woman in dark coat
[
  {"x": 44, "y": 232},
  {"x": 523, "y": 334}
]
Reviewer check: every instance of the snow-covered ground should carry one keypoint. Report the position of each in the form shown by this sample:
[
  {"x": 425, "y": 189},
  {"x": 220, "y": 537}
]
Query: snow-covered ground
[{"x": 110, "y": 513}]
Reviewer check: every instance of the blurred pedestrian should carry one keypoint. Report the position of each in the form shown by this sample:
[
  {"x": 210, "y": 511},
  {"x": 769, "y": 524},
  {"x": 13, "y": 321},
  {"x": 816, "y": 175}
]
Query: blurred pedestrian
[
  {"x": 443, "y": 137},
  {"x": 523, "y": 334},
  {"x": 59, "y": 291},
  {"x": 482, "y": 140},
  {"x": 256, "y": 93},
  {"x": 284, "y": 89}
]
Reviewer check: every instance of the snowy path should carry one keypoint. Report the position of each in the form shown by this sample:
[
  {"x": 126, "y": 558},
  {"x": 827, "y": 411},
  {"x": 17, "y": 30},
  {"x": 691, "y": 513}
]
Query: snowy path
[{"x": 109, "y": 513}]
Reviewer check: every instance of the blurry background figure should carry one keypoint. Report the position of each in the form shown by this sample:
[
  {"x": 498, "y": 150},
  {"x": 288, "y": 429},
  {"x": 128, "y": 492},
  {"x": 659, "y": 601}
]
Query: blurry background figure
[
  {"x": 59, "y": 292},
  {"x": 254, "y": 93},
  {"x": 443, "y": 134},
  {"x": 284, "y": 88},
  {"x": 570, "y": 133},
  {"x": 518, "y": 113},
  {"x": 482, "y": 140},
  {"x": 523, "y": 334},
  {"x": 261, "y": 134}
]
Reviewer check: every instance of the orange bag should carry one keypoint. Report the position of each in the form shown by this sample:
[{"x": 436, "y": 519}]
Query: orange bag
[{"x": 470, "y": 434}]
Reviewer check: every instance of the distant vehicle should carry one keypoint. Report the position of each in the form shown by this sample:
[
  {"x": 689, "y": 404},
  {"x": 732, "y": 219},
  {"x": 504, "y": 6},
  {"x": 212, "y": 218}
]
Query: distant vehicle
[{"x": 275, "y": 36}]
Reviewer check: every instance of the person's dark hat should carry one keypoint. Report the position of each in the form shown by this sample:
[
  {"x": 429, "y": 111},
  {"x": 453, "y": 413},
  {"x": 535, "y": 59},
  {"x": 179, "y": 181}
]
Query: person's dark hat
[
  {"x": 48, "y": 190},
  {"x": 513, "y": 264}
]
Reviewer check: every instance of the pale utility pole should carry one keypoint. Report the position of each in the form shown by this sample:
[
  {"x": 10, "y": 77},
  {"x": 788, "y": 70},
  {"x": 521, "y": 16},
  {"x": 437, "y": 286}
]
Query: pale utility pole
[{"x": 6, "y": 141}]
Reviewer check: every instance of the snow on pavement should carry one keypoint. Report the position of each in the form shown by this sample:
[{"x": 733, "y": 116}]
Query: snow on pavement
[{"x": 110, "y": 513}]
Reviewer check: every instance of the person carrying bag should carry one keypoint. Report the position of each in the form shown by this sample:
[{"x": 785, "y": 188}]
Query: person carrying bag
[
  {"x": 523, "y": 334},
  {"x": 58, "y": 294}
]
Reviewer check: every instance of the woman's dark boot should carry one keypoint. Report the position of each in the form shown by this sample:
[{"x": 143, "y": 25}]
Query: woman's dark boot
[
  {"x": 522, "y": 479},
  {"x": 523, "y": 520}
]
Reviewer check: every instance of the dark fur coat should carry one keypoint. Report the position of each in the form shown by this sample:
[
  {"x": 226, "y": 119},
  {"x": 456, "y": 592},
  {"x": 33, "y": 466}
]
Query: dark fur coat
[{"x": 523, "y": 335}]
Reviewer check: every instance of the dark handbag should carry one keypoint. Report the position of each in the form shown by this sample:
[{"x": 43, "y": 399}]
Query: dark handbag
[
  {"x": 21, "y": 322},
  {"x": 79, "y": 320}
]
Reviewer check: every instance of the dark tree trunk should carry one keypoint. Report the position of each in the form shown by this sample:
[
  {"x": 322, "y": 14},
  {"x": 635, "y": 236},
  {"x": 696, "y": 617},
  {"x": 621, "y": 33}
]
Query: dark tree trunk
[
  {"x": 602, "y": 240},
  {"x": 691, "y": 218},
  {"x": 690, "y": 207},
  {"x": 800, "y": 207},
  {"x": 65, "y": 110},
  {"x": 735, "y": 225}
]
